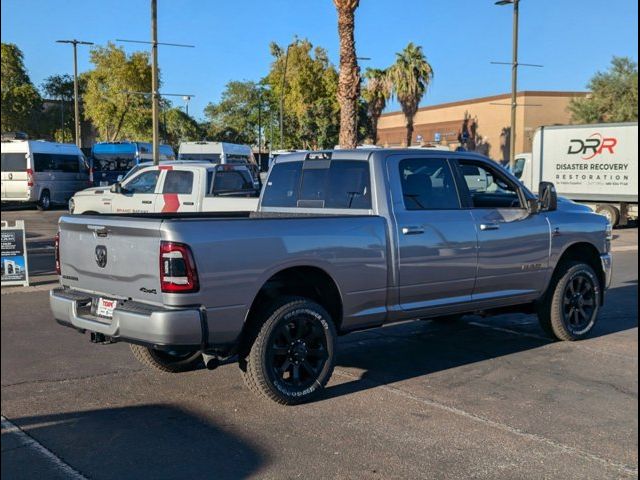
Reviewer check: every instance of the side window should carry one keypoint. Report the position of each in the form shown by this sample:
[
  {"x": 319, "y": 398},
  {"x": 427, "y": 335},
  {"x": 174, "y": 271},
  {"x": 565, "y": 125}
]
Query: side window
[
  {"x": 427, "y": 184},
  {"x": 282, "y": 186},
  {"x": 143, "y": 183},
  {"x": 488, "y": 188},
  {"x": 518, "y": 168},
  {"x": 178, "y": 181},
  {"x": 66, "y": 163},
  {"x": 227, "y": 181},
  {"x": 42, "y": 162}
]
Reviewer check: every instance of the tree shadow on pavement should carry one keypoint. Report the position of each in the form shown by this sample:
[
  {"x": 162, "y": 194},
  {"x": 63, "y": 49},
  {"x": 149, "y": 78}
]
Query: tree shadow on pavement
[
  {"x": 148, "y": 441},
  {"x": 409, "y": 350}
]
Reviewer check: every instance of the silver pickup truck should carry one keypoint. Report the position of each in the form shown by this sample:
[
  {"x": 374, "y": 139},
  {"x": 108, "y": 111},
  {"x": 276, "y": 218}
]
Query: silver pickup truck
[{"x": 342, "y": 241}]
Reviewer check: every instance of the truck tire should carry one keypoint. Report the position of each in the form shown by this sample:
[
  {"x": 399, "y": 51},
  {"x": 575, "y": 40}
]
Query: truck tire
[
  {"x": 44, "y": 202},
  {"x": 292, "y": 357},
  {"x": 610, "y": 212},
  {"x": 166, "y": 361},
  {"x": 569, "y": 309}
]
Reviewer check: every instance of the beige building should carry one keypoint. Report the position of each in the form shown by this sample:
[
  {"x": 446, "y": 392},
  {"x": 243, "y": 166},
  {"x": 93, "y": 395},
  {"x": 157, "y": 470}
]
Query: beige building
[{"x": 487, "y": 125}]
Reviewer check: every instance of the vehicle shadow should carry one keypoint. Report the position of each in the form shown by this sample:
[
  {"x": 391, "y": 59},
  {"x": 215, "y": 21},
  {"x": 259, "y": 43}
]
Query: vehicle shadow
[
  {"x": 414, "y": 349},
  {"x": 148, "y": 441}
]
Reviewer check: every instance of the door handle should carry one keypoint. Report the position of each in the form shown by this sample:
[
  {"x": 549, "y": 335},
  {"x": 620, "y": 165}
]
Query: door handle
[
  {"x": 188, "y": 203},
  {"x": 413, "y": 230},
  {"x": 146, "y": 202},
  {"x": 489, "y": 226}
]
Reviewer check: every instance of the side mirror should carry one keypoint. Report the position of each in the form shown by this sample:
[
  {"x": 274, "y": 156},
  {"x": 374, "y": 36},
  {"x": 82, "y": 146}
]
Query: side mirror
[
  {"x": 548, "y": 197},
  {"x": 116, "y": 188}
]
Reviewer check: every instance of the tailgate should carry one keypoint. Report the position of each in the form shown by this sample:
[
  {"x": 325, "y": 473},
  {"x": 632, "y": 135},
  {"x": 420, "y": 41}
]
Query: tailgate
[{"x": 111, "y": 256}]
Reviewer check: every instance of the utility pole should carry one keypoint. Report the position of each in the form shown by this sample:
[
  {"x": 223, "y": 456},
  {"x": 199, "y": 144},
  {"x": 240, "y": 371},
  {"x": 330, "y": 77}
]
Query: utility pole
[
  {"x": 155, "y": 95},
  {"x": 514, "y": 86},
  {"x": 155, "y": 99},
  {"x": 514, "y": 78},
  {"x": 76, "y": 100},
  {"x": 259, "y": 122}
]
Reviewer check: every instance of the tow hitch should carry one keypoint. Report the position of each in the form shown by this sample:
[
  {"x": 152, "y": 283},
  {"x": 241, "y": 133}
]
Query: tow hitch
[{"x": 101, "y": 338}]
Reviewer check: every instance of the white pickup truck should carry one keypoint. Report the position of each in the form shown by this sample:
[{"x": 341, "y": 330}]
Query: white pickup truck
[{"x": 173, "y": 187}]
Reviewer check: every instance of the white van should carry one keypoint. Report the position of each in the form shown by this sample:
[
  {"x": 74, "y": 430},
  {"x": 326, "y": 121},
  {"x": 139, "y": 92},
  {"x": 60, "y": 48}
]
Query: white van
[
  {"x": 44, "y": 173},
  {"x": 221, "y": 153}
]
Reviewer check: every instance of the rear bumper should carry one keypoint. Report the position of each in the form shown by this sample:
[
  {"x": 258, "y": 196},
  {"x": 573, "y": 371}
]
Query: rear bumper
[
  {"x": 132, "y": 322},
  {"x": 607, "y": 268}
]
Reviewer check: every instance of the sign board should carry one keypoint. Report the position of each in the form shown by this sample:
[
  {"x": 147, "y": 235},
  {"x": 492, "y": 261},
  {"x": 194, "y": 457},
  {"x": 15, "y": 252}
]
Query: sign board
[
  {"x": 15, "y": 268},
  {"x": 437, "y": 137},
  {"x": 419, "y": 138}
]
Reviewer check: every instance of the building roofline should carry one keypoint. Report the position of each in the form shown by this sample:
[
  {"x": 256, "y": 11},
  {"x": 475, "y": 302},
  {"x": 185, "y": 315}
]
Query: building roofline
[{"x": 503, "y": 96}]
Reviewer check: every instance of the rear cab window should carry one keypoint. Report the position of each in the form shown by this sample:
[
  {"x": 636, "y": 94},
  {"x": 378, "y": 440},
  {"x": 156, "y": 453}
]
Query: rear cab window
[
  {"x": 229, "y": 182},
  {"x": 325, "y": 184}
]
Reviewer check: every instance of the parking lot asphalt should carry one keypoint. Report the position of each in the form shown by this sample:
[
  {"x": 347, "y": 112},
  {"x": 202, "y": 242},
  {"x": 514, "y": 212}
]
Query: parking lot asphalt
[{"x": 478, "y": 398}]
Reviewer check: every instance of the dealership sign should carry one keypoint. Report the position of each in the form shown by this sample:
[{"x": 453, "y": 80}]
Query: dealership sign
[{"x": 15, "y": 269}]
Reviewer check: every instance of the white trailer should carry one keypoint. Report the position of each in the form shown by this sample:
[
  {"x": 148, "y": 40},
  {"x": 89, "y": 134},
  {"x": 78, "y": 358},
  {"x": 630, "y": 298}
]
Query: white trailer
[{"x": 596, "y": 165}]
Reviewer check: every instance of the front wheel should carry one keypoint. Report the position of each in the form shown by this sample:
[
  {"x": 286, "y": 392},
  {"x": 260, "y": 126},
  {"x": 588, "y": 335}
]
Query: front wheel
[
  {"x": 292, "y": 356},
  {"x": 167, "y": 361},
  {"x": 570, "y": 308}
]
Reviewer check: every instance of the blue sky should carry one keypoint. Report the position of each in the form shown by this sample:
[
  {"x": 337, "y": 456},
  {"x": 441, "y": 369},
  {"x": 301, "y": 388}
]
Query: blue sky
[{"x": 571, "y": 38}]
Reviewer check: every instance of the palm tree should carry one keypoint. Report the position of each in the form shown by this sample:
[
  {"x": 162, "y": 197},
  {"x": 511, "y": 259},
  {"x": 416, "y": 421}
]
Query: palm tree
[
  {"x": 376, "y": 93},
  {"x": 410, "y": 77},
  {"x": 349, "y": 79}
]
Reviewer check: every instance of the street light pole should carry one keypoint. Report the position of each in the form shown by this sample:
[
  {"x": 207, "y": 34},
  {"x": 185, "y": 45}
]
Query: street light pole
[
  {"x": 154, "y": 82},
  {"x": 76, "y": 100},
  {"x": 284, "y": 77},
  {"x": 186, "y": 99}
]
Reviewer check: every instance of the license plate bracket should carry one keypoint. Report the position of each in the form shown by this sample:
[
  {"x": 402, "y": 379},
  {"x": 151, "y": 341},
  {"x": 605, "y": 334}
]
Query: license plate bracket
[{"x": 104, "y": 307}]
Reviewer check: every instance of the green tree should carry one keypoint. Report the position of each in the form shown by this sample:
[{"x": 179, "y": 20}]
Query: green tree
[
  {"x": 613, "y": 97},
  {"x": 410, "y": 77},
  {"x": 236, "y": 117},
  {"x": 349, "y": 79},
  {"x": 59, "y": 119},
  {"x": 376, "y": 92},
  {"x": 311, "y": 109},
  {"x": 178, "y": 127},
  {"x": 21, "y": 102},
  {"x": 109, "y": 101}
]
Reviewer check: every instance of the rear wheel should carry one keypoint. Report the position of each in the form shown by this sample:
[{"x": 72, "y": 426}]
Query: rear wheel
[
  {"x": 570, "y": 309},
  {"x": 44, "y": 202},
  {"x": 292, "y": 356},
  {"x": 167, "y": 361},
  {"x": 611, "y": 213}
]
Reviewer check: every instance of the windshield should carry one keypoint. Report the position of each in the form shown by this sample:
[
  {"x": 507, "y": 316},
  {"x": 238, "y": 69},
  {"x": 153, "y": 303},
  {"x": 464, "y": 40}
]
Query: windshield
[
  {"x": 108, "y": 162},
  {"x": 209, "y": 157}
]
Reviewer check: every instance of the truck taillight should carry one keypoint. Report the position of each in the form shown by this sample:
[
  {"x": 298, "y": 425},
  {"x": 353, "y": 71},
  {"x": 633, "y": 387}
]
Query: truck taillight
[
  {"x": 57, "y": 252},
  {"x": 29, "y": 177},
  {"x": 178, "y": 272}
]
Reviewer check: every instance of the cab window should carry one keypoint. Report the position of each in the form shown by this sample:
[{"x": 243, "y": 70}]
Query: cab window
[
  {"x": 488, "y": 188},
  {"x": 178, "y": 181},
  {"x": 143, "y": 183},
  {"x": 427, "y": 184}
]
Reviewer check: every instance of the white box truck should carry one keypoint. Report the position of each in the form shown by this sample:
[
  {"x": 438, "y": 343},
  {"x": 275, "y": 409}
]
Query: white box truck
[{"x": 596, "y": 165}]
